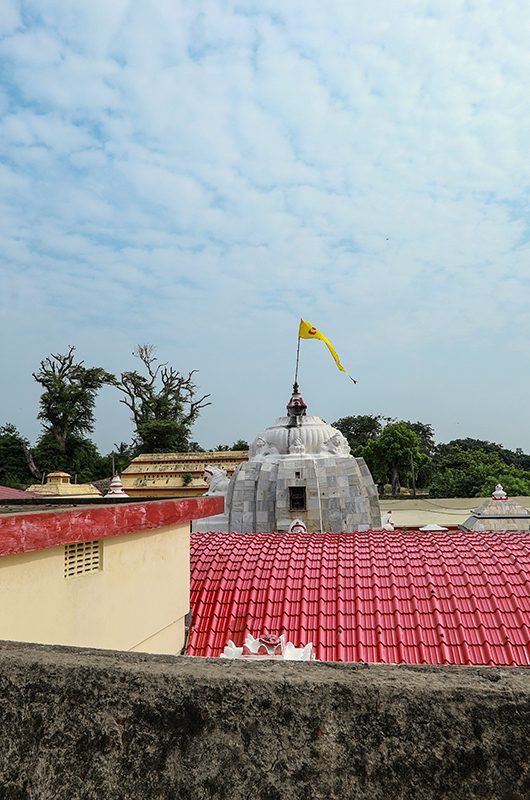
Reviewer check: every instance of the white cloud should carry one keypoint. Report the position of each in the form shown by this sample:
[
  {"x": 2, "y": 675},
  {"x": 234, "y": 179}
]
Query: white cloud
[
  {"x": 10, "y": 18},
  {"x": 199, "y": 175}
]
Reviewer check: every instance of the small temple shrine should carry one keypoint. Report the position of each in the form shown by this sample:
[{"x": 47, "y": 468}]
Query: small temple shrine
[
  {"x": 59, "y": 484},
  {"x": 300, "y": 468},
  {"x": 498, "y": 513}
]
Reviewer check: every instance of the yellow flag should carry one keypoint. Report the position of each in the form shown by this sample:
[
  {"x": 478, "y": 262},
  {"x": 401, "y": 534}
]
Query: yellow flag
[{"x": 307, "y": 331}]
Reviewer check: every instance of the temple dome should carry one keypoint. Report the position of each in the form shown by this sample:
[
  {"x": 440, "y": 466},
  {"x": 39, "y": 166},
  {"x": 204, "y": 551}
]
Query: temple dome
[
  {"x": 299, "y": 470},
  {"x": 299, "y": 433},
  {"x": 312, "y": 432}
]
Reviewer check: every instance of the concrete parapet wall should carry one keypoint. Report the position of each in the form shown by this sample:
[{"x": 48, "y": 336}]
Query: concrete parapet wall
[{"x": 99, "y": 724}]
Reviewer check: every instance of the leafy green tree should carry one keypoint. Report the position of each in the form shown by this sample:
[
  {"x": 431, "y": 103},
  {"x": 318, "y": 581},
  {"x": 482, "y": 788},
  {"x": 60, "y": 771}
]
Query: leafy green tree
[
  {"x": 122, "y": 454},
  {"x": 80, "y": 458},
  {"x": 426, "y": 434},
  {"x": 467, "y": 471},
  {"x": 162, "y": 403},
  {"x": 392, "y": 455},
  {"x": 422, "y": 476},
  {"x": 194, "y": 447},
  {"x": 515, "y": 481},
  {"x": 68, "y": 398},
  {"x": 515, "y": 458},
  {"x": 521, "y": 459},
  {"x": 360, "y": 429},
  {"x": 161, "y": 436},
  {"x": 116, "y": 461},
  {"x": 15, "y": 459},
  {"x": 363, "y": 430},
  {"x": 458, "y": 446},
  {"x": 240, "y": 444}
]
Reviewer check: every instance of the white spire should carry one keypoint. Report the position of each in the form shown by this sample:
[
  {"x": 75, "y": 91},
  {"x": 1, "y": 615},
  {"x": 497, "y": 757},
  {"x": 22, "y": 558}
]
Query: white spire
[{"x": 116, "y": 489}]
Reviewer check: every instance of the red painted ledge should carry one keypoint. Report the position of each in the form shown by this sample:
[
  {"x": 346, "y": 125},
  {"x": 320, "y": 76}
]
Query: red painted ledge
[{"x": 25, "y": 532}]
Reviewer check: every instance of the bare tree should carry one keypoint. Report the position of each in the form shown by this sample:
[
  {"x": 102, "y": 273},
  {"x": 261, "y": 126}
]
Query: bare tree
[{"x": 162, "y": 402}]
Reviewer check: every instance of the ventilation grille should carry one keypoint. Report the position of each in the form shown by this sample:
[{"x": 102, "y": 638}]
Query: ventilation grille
[{"x": 81, "y": 558}]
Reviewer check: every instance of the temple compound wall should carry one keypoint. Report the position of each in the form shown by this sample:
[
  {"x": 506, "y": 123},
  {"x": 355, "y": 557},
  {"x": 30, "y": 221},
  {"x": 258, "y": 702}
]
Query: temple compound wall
[{"x": 100, "y": 724}]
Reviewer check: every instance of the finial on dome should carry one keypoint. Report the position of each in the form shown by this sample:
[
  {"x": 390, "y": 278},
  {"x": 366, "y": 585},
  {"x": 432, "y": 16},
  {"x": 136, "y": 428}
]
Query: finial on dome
[
  {"x": 499, "y": 493},
  {"x": 296, "y": 406}
]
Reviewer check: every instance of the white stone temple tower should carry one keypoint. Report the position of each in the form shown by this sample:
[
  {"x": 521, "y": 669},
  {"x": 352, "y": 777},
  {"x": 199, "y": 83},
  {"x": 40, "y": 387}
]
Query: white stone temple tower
[{"x": 299, "y": 468}]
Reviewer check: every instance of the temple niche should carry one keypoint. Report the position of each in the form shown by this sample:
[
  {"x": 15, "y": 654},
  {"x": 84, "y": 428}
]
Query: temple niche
[{"x": 300, "y": 468}]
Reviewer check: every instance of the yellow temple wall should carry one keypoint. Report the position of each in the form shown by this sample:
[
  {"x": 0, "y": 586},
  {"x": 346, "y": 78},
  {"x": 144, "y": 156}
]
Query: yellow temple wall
[{"x": 137, "y": 600}]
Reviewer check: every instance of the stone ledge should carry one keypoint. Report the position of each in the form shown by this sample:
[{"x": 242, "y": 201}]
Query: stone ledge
[{"x": 99, "y": 724}]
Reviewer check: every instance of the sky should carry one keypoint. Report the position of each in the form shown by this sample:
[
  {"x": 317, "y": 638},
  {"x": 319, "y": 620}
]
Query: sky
[{"x": 200, "y": 175}]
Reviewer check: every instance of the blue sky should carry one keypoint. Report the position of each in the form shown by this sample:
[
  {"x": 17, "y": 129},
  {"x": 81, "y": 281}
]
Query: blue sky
[{"x": 200, "y": 175}]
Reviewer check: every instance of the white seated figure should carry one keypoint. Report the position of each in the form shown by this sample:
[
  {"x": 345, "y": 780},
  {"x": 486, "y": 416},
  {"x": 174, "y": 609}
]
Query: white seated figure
[
  {"x": 262, "y": 448},
  {"x": 296, "y": 447},
  {"x": 216, "y": 479},
  {"x": 218, "y": 482},
  {"x": 337, "y": 445},
  {"x": 388, "y": 522}
]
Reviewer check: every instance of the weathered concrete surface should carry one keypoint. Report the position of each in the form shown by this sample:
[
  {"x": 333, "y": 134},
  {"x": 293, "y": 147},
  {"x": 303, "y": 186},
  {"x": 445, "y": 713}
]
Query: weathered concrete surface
[{"x": 95, "y": 724}]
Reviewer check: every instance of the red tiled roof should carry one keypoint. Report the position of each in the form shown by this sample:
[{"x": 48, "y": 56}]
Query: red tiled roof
[
  {"x": 7, "y": 493},
  {"x": 379, "y": 596}
]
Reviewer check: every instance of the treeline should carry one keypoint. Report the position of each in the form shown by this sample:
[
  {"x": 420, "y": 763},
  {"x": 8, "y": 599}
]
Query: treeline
[
  {"x": 162, "y": 401},
  {"x": 405, "y": 453},
  {"x": 164, "y": 405}
]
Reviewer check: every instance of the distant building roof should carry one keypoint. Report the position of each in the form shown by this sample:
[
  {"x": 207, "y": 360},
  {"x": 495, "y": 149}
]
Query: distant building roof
[
  {"x": 176, "y": 474},
  {"x": 7, "y": 493},
  {"x": 379, "y": 596},
  {"x": 102, "y": 485},
  {"x": 58, "y": 484}
]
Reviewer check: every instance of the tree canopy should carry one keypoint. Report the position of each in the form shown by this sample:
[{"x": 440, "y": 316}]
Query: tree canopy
[
  {"x": 360, "y": 429},
  {"x": 14, "y": 454},
  {"x": 395, "y": 454},
  {"x": 463, "y": 469},
  {"x": 426, "y": 434},
  {"x": 240, "y": 444},
  {"x": 394, "y": 451},
  {"x": 69, "y": 395}
]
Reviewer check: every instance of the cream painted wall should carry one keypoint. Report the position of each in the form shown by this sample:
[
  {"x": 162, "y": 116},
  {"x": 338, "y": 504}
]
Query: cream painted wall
[{"x": 136, "y": 602}]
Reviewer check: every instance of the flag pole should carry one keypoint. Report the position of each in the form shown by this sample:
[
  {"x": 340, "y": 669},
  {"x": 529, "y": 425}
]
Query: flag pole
[{"x": 297, "y": 361}]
